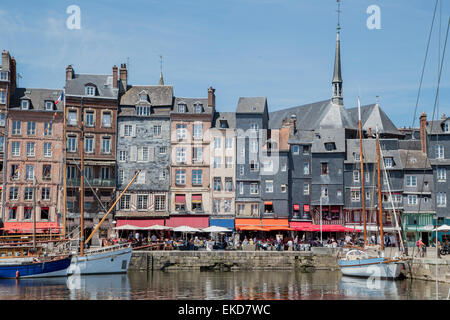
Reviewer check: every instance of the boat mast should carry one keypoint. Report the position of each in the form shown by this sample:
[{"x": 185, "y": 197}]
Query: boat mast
[
  {"x": 362, "y": 172},
  {"x": 34, "y": 212},
  {"x": 380, "y": 207},
  {"x": 64, "y": 168},
  {"x": 82, "y": 182}
]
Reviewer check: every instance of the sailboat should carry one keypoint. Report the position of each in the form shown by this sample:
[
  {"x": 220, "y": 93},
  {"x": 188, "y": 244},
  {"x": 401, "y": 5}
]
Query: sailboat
[
  {"x": 357, "y": 262},
  {"x": 105, "y": 260},
  {"x": 20, "y": 260}
]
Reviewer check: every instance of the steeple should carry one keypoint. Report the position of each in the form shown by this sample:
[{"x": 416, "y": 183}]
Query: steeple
[
  {"x": 161, "y": 79},
  {"x": 337, "y": 77}
]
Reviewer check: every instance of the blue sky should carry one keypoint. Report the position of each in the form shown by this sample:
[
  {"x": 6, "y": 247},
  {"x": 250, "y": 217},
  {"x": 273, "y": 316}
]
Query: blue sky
[{"x": 281, "y": 49}]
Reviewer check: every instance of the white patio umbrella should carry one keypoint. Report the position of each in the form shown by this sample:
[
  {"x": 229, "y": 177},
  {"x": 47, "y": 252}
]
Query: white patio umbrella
[
  {"x": 216, "y": 229},
  {"x": 444, "y": 227},
  {"x": 185, "y": 229},
  {"x": 128, "y": 227},
  {"x": 158, "y": 227}
]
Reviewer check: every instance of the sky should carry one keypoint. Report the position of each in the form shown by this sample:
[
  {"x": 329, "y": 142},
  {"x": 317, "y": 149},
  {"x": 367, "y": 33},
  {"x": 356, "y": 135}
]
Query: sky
[{"x": 280, "y": 49}]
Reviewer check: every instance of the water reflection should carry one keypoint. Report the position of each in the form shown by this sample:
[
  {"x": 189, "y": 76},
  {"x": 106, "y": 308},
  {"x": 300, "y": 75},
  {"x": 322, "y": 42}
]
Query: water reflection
[{"x": 251, "y": 285}]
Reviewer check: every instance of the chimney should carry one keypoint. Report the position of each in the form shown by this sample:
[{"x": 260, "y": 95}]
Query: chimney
[
  {"x": 123, "y": 77},
  {"x": 423, "y": 131},
  {"x": 211, "y": 97},
  {"x": 69, "y": 72},
  {"x": 12, "y": 75},
  {"x": 444, "y": 116},
  {"x": 292, "y": 122},
  {"x": 6, "y": 60},
  {"x": 114, "y": 76}
]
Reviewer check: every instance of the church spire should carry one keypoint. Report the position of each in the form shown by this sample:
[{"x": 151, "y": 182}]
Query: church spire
[
  {"x": 337, "y": 77},
  {"x": 161, "y": 79}
]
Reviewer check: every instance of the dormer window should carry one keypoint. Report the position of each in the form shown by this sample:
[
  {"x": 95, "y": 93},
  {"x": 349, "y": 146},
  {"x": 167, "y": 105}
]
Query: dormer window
[
  {"x": 447, "y": 126},
  {"x": 25, "y": 104},
  {"x": 389, "y": 162},
  {"x": 254, "y": 126},
  {"x": 48, "y": 105},
  {"x": 143, "y": 97},
  {"x": 330, "y": 146},
  {"x": 90, "y": 90},
  {"x": 3, "y": 75},
  {"x": 357, "y": 156},
  {"x": 142, "y": 111},
  {"x": 224, "y": 124},
  {"x": 182, "y": 108},
  {"x": 198, "y": 108}
]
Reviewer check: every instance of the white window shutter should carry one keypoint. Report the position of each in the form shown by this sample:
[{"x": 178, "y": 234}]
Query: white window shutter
[
  {"x": 133, "y": 153},
  {"x": 122, "y": 130},
  {"x": 133, "y": 130}
]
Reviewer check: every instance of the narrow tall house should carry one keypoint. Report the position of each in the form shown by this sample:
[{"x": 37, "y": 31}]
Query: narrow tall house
[
  {"x": 34, "y": 161},
  {"x": 91, "y": 105},
  {"x": 144, "y": 144}
]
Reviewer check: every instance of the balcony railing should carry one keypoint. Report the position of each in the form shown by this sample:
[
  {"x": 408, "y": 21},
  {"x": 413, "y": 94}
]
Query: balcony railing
[{"x": 96, "y": 182}]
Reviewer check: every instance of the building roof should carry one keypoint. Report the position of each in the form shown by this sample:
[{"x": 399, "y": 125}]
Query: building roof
[
  {"x": 252, "y": 105},
  {"x": 437, "y": 126},
  {"x": 414, "y": 159},
  {"x": 157, "y": 95},
  {"x": 76, "y": 86},
  {"x": 389, "y": 148},
  {"x": 225, "y": 118},
  {"x": 37, "y": 98},
  {"x": 322, "y": 137},
  {"x": 410, "y": 144},
  {"x": 190, "y": 102}
]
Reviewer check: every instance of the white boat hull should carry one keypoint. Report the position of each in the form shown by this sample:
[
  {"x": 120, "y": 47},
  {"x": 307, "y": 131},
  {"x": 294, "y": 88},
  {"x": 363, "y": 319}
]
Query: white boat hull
[
  {"x": 380, "y": 270},
  {"x": 101, "y": 262}
]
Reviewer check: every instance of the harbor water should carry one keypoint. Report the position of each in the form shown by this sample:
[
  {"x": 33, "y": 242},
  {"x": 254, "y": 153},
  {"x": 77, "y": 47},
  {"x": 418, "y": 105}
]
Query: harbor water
[{"x": 234, "y": 285}]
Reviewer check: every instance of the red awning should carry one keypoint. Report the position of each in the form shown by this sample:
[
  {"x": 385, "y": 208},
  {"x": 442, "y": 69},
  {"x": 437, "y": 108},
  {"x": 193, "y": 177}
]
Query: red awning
[
  {"x": 27, "y": 227},
  {"x": 306, "y": 207},
  {"x": 300, "y": 226},
  {"x": 180, "y": 198},
  {"x": 297, "y": 207},
  {"x": 197, "y": 198},
  {"x": 194, "y": 222},
  {"x": 268, "y": 203},
  {"x": 140, "y": 223}
]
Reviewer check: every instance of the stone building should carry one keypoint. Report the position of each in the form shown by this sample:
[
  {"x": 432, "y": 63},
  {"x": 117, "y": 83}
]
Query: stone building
[
  {"x": 190, "y": 192},
  {"x": 92, "y": 102},
  {"x": 143, "y": 143},
  {"x": 34, "y": 161}
]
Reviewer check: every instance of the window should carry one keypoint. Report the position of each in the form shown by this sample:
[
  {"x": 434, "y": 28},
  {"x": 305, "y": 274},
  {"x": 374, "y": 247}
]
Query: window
[
  {"x": 46, "y": 172},
  {"x": 90, "y": 90},
  {"x": 2, "y": 117},
  {"x": 306, "y": 189},
  {"x": 143, "y": 97},
  {"x": 181, "y": 131},
  {"x": 339, "y": 193},
  {"x": 15, "y": 149},
  {"x": 180, "y": 176},
  {"x": 217, "y": 184},
  {"x": 123, "y": 156},
  {"x": 356, "y": 195},
  {"x": 2, "y": 97},
  {"x": 411, "y": 181},
  {"x": 306, "y": 168},
  {"x": 241, "y": 208},
  {"x": 121, "y": 176},
  {"x": 44, "y": 213},
  {"x": 412, "y": 199},
  {"x": 283, "y": 188},
  {"x": 124, "y": 203},
  {"x": 357, "y": 156},
  {"x": 228, "y": 184},
  {"x": 268, "y": 165},
  {"x": 324, "y": 169},
  {"x": 72, "y": 118},
  {"x": 355, "y": 176},
  {"x": 157, "y": 130},
  {"x": 254, "y": 166},
  {"x": 198, "y": 108},
  {"x": 48, "y": 105},
  {"x": 162, "y": 150},
  {"x": 439, "y": 151},
  {"x": 388, "y": 162},
  {"x": 3, "y": 75},
  {"x": 197, "y": 154},
  {"x": 16, "y": 127},
  {"x": 105, "y": 173},
  {"x": 30, "y": 149},
  {"x": 142, "y": 110},
  {"x": 228, "y": 143},
  {"x": 14, "y": 193},
  {"x": 269, "y": 186},
  {"x": 142, "y": 202},
  {"x": 106, "y": 119},
  {"x": 324, "y": 192},
  {"x": 197, "y": 202},
  {"x": 284, "y": 167},
  {"x": 254, "y": 188},
  {"x": 330, "y": 146},
  {"x": 216, "y": 206},
  {"x": 27, "y": 212},
  {"x": 217, "y": 143},
  {"x": 71, "y": 143},
  {"x": 228, "y": 162},
  {"x": 241, "y": 187},
  {"x": 182, "y": 108},
  {"x": 31, "y": 128},
  {"x": 48, "y": 126},
  {"x": 127, "y": 130},
  {"x": 29, "y": 172},
  {"x": 197, "y": 177},
  {"x": 89, "y": 122},
  {"x": 254, "y": 126},
  {"x": 306, "y": 150},
  {"x": 12, "y": 213},
  {"x": 71, "y": 172},
  {"x": 140, "y": 178},
  {"x": 441, "y": 199},
  {"x": 181, "y": 155},
  {"x": 253, "y": 145},
  {"x": 143, "y": 154},
  {"x": 89, "y": 144},
  {"x": 160, "y": 203},
  {"x": 15, "y": 172},
  {"x": 2, "y": 143},
  {"x": 25, "y": 104},
  {"x": 241, "y": 170},
  {"x": 45, "y": 194},
  {"x": 367, "y": 177},
  {"x": 441, "y": 174},
  {"x": 447, "y": 126},
  {"x": 217, "y": 162},
  {"x": 255, "y": 209},
  {"x": 47, "y": 149},
  {"x": 106, "y": 145}
]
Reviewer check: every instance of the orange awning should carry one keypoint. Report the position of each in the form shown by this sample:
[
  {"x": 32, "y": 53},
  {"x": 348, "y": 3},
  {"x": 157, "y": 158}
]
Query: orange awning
[
  {"x": 276, "y": 224},
  {"x": 268, "y": 203},
  {"x": 27, "y": 227}
]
